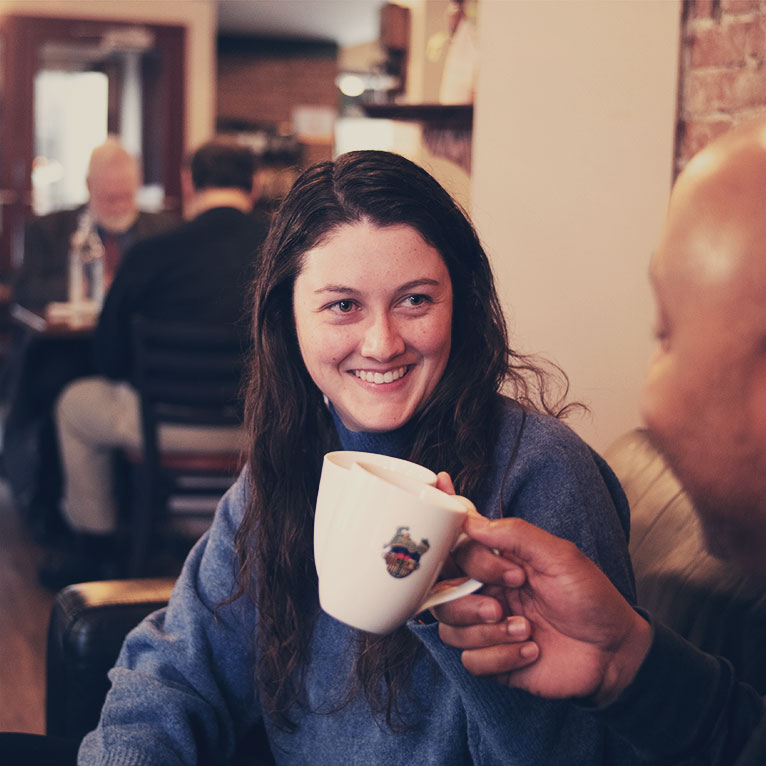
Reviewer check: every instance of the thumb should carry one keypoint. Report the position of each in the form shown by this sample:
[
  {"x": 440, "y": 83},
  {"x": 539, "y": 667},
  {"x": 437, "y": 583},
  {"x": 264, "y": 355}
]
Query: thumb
[
  {"x": 444, "y": 483},
  {"x": 516, "y": 539}
]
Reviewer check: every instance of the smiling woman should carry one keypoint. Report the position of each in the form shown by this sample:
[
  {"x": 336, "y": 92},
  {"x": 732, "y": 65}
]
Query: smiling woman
[
  {"x": 376, "y": 327},
  {"x": 373, "y": 313}
]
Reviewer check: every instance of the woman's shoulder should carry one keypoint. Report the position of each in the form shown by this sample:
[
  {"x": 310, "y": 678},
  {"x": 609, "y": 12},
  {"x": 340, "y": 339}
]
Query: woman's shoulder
[
  {"x": 235, "y": 500},
  {"x": 539, "y": 434},
  {"x": 541, "y": 459},
  {"x": 536, "y": 449}
]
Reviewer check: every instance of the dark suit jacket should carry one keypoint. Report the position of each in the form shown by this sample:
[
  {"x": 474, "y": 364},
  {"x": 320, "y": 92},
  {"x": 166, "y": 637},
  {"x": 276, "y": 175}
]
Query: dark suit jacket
[
  {"x": 199, "y": 272},
  {"x": 43, "y": 276}
]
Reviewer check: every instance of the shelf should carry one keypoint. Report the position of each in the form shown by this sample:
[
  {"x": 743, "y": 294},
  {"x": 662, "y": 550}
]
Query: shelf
[{"x": 438, "y": 115}]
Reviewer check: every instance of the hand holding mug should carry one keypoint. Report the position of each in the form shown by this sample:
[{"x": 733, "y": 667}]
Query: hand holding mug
[{"x": 586, "y": 639}]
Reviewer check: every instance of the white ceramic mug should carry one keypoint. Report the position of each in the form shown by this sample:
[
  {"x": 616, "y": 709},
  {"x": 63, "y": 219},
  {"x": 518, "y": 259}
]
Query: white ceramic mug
[
  {"x": 334, "y": 480},
  {"x": 389, "y": 538}
]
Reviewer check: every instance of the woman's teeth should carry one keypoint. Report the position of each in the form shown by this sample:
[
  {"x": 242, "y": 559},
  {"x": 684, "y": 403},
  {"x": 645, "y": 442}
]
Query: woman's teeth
[{"x": 380, "y": 377}]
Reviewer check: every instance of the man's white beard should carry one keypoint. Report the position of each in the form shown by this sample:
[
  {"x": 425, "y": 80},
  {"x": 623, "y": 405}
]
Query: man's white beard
[{"x": 117, "y": 224}]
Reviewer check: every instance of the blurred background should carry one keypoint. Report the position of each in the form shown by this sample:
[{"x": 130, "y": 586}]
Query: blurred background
[{"x": 558, "y": 125}]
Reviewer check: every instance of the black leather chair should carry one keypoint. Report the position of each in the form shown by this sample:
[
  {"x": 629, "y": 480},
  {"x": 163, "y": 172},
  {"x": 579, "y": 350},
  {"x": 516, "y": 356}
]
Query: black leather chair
[
  {"x": 186, "y": 375},
  {"x": 89, "y": 622}
]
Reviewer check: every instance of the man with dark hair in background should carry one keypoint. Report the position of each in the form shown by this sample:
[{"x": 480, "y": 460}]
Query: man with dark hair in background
[{"x": 199, "y": 272}]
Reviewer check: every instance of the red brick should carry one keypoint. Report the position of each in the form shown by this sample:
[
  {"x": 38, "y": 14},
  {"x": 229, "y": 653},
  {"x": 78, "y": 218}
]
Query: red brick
[
  {"x": 738, "y": 7},
  {"x": 698, "y": 133},
  {"x": 721, "y": 45},
  {"x": 701, "y": 9},
  {"x": 749, "y": 89},
  {"x": 755, "y": 45},
  {"x": 265, "y": 88},
  {"x": 703, "y": 92},
  {"x": 723, "y": 69},
  {"x": 707, "y": 91}
]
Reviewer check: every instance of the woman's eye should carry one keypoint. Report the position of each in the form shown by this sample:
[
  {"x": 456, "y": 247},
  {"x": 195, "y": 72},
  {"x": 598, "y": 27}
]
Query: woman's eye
[
  {"x": 416, "y": 300},
  {"x": 344, "y": 306}
]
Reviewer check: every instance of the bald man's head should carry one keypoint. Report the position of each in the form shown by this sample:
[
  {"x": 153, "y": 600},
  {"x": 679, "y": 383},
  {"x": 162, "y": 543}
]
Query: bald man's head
[
  {"x": 113, "y": 180},
  {"x": 705, "y": 395}
]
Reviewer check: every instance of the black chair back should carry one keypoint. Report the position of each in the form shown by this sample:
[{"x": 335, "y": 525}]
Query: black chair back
[{"x": 185, "y": 375}]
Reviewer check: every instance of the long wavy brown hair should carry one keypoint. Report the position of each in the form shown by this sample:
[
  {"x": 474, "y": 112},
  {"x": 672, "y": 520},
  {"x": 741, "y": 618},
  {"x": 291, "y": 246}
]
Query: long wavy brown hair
[{"x": 290, "y": 428}]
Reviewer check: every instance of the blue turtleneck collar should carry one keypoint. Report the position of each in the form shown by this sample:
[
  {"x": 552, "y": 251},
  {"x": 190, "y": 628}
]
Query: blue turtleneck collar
[{"x": 395, "y": 443}]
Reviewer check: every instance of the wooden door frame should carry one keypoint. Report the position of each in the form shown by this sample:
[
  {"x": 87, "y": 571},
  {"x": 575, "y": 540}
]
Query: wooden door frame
[{"x": 23, "y": 36}]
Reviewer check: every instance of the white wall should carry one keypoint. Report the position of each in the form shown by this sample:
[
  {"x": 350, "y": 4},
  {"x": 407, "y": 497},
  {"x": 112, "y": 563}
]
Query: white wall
[
  {"x": 573, "y": 140},
  {"x": 199, "y": 18}
]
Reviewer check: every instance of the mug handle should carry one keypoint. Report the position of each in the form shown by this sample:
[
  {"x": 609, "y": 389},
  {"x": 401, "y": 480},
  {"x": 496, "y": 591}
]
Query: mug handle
[{"x": 450, "y": 593}]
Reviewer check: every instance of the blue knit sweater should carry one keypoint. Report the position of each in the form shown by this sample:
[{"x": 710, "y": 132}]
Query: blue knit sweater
[{"x": 183, "y": 692}]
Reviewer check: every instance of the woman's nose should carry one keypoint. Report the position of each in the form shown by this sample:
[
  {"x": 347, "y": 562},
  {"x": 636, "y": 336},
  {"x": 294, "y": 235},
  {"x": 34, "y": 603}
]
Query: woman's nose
[{"x": 382, "y": 340}]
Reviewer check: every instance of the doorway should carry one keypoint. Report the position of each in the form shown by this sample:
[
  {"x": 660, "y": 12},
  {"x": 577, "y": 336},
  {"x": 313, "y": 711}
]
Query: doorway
[{"x": 64, "y": 85}]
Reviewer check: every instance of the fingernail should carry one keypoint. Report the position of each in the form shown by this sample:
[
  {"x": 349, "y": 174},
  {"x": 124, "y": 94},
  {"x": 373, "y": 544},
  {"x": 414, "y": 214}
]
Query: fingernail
[
  {"x": 488, "y": 612},
  {"x": 529, "y": 651},
  {"x": 516, "y": 626}
]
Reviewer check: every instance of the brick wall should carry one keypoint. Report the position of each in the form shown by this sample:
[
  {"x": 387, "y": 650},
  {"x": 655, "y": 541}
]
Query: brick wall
[
  {"x": 722, "y": 70},
  {"x": 260, "y": 81}
]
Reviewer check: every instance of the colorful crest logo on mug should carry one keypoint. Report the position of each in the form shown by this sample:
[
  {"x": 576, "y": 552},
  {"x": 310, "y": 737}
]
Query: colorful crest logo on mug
[{"x": 403, "y": 554}]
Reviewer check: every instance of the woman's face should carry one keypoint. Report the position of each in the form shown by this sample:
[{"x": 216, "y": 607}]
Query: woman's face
[{"x": 373, "y": 313}]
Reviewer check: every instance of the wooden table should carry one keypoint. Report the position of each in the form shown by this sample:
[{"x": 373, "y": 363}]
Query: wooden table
[{"x": 51, "y": 325}]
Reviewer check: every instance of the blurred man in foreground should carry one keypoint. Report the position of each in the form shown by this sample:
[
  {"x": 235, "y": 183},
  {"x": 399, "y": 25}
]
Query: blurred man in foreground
[{"x": 548, "y": 621}]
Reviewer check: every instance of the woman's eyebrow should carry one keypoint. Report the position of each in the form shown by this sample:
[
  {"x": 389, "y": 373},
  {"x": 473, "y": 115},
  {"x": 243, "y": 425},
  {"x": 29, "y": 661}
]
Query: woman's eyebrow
[
  {"x": 425, "y": 281},
  {"x": 334, "y": 289}
]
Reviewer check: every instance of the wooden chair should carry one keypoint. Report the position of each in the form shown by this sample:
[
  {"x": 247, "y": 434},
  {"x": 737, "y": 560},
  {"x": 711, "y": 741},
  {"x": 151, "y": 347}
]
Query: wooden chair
[{"x": 186, "y": 375}]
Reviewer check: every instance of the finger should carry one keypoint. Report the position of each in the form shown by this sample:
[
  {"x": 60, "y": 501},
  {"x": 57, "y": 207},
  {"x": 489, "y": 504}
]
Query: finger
[
  {"x": 449, "y": 572},
  {"x": 511, "y": 630},
  {"x": 469, "y": 610},
  {"x": 520, "y": 540},
  {"x": 487, "y": 566},
  {"x": 444, "y": 483},
  {"x": 500, "y": 659}
]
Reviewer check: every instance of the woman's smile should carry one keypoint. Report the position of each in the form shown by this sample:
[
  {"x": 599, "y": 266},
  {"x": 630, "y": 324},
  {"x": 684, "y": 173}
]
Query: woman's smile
[
  {"x": 373, "y": 313},
  {"x": 380, "y": 378}
]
